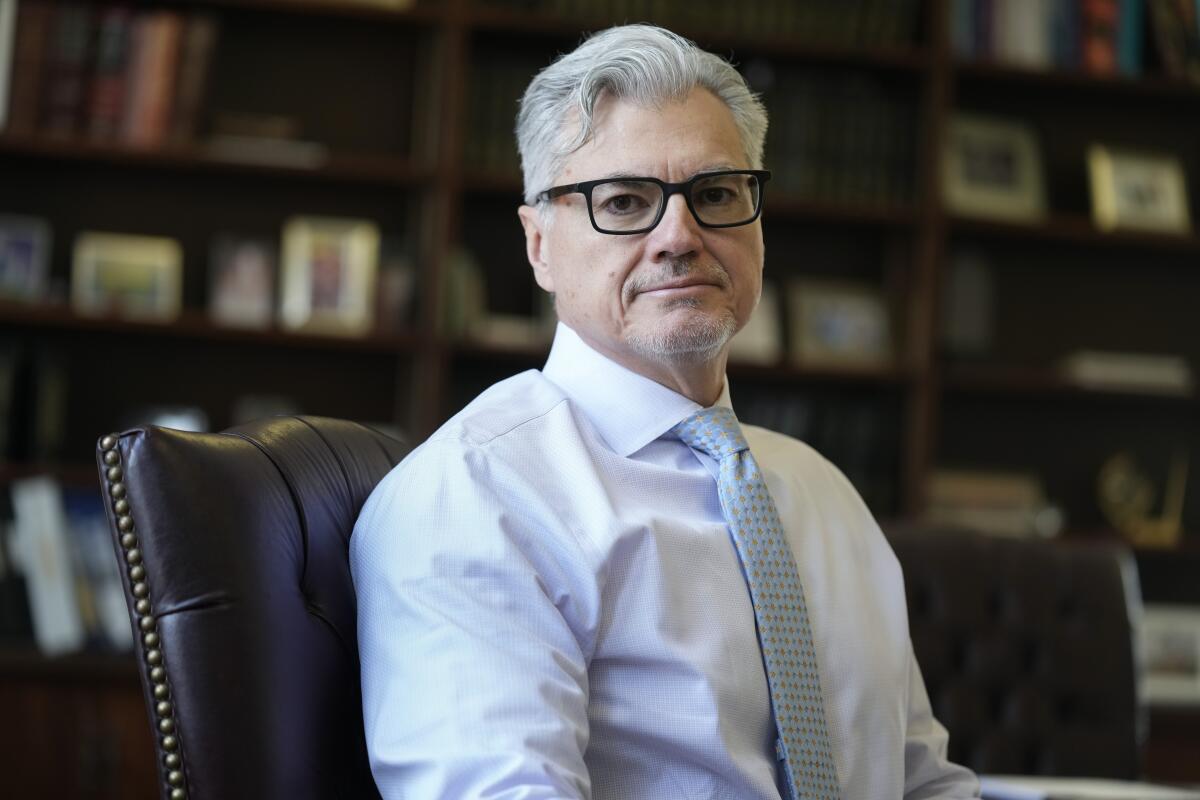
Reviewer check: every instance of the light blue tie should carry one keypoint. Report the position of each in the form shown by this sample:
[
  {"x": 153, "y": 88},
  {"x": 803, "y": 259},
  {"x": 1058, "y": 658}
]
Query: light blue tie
[{"x": 778, "y": 599}]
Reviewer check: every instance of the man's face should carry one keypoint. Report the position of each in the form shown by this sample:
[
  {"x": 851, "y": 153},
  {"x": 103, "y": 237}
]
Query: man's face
[{"x": 675, "y": 294}]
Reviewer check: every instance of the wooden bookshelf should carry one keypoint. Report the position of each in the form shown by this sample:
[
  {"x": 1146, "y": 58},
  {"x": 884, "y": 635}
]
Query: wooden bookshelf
[
  {"x": 1075, "y": 231},
  {"x": 391, "y": 91},
  {"x": 195, "y": 325}
]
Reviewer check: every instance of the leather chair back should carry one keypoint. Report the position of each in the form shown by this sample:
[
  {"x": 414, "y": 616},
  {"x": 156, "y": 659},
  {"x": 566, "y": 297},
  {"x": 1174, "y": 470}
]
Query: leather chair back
[
  {"x": 234, "y": 549},
  {"x": 1027, "y": 651}
]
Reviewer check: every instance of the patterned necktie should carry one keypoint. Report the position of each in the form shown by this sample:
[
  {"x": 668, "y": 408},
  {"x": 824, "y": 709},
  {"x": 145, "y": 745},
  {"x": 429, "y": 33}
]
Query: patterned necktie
[{"x": 778, "y": 599}]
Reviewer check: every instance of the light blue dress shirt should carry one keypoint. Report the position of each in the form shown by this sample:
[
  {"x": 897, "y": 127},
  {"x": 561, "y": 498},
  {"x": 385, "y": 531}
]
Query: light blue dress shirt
[{"x": 550, "y": 606}]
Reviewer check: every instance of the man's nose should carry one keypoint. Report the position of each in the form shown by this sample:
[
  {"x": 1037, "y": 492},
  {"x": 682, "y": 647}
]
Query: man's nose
[{"x": 678, "y": 232}]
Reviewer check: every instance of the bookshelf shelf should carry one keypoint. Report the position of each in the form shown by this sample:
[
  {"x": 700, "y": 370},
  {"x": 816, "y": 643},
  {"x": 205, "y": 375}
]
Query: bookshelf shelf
[
  {"x": 109, "y": 667},
  {"x": 783, "y": 372},
  {"x": 388, "y": 170},
  {"x": 77, "y": 475},
  {"x": 195, "y": 325},
  {"x": 776, "y": 205},
  {"x": 788, "y": 373},
  {"x": 980, "y": 74},
  {"x": 1045, "y": 381},
  {"x": 1075, "y": 231}
]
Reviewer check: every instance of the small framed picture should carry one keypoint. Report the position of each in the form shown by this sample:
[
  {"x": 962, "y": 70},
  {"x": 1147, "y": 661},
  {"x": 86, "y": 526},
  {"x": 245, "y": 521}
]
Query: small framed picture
[
  {"x": 329, "y": 267},
  {"x": 1141, "y": 191},
  {"x": 761, "y": 340},
  {"x": 1170, "y": 639},
  {"x": 24, "y": 258},
  {"x": 241, "y": 287},
  {"x": 140, "y": 277},
  {"x": 838, "y": 324},
  {"x": 993, "y": 168}
]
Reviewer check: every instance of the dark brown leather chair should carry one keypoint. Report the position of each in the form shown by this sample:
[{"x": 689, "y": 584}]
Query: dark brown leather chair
[
  {"x": 1027, "y": 651},
  {"x": 234, "y": 548}
]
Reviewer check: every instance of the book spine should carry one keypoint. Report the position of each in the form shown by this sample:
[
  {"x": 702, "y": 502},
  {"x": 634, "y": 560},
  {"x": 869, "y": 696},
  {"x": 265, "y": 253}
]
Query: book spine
[
  {"x": 152, "y": 78},
  {"x": 66, "y": 86},
  {"x": 199, "y": 41},
  {"x": 29, "y": 58},
  {"x": 1130, "y": 31},
  {"x": 1099, "y": 28},
  {"x": 106, "y": 98}
]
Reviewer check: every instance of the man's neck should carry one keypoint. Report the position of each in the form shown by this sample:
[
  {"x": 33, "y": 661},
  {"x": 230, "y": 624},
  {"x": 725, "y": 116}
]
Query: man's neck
[{"x": 701, "y": 381}]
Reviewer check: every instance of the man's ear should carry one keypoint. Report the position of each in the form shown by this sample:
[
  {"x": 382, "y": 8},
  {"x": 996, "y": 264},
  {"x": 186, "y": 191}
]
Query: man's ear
[{"x": 535, "y": 245}]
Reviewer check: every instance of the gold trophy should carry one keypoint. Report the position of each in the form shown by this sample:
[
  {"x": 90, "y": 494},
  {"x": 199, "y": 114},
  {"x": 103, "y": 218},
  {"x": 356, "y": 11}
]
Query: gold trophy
[{"x": 1128, "y": 497}]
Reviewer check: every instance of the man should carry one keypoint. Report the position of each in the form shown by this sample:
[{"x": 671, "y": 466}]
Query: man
[{"x": 581, "y": 585}]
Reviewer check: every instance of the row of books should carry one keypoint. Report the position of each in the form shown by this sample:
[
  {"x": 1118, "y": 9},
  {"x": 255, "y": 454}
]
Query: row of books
[
  {"x": 843, "y": 138},
  {"x": 839, "y": 137},
  {"x": 111, "y": 73},
  {"x": 55, "y": 546},
  {"x": 1103, "y": 37},
  {"x": 859, "y": 434},
  {"x": 490, "y": 144},
  {"x": 867, "y": 23}
]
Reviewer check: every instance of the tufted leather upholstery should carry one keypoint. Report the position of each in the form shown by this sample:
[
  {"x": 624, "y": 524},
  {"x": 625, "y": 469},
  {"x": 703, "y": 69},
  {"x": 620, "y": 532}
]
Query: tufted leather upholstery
[
  {"x": 1027, "y": 651},
  {"x": 239, "y": 542}
]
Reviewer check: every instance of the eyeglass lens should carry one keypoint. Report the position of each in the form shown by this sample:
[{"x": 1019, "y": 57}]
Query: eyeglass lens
[{"x": 625, "y": 205}]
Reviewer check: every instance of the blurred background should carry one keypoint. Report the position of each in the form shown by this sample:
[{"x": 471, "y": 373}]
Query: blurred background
[{"x": 981, "y": 294}]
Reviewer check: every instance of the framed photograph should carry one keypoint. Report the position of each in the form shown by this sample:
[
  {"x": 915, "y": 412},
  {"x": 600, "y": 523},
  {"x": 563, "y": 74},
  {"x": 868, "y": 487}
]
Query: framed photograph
[
  {"x": 1170, "y": 638},
  {"x": 140, "y": 277},
  {"x": 24, "y": 258},
  {"x": 241, "y": 285},
  {"x": 993, "y": 168},
  {"x": 838, "y": 324},
  {"x": 328, "y": 282},
  {"x": 761, "y": 340},
  {"x": 1140, "y": 191}
]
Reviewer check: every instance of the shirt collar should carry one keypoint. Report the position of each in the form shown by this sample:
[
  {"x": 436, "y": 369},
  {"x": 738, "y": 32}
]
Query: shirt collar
[{"x": 627, "y": 409}]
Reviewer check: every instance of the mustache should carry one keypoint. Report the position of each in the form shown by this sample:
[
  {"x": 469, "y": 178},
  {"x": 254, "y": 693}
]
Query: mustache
[{"x": 683, "y": 267}]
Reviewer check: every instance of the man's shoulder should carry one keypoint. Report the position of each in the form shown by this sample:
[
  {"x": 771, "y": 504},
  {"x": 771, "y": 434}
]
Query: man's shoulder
[{"x": 502, "y": 411}]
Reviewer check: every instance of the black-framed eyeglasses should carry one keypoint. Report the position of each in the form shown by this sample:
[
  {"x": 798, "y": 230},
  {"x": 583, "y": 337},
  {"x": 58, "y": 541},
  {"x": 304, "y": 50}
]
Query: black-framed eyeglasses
[{"x": 622, "y": 206}]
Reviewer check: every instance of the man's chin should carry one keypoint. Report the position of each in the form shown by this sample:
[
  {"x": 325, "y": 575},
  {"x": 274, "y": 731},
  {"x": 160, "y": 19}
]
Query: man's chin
[{"x": 697, "y": 339}]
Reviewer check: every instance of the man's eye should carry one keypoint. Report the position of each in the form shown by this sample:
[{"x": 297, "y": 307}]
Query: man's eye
[
  {"x": 715, "y": 195},
  {"x": 624, "y": 204}
]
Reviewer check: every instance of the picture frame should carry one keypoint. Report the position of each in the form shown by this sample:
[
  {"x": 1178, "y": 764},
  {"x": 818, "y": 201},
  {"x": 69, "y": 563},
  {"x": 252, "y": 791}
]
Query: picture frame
[
  {"x": 1169, "y": 636},
  {"x": 138, "y": 277},
  {"x": 761, "y": 340},
  {"x": 328, "y": 275},
  {"x": 841, "y": 324},
  {"x": 25, "y": 244},
  {"x": 1135, "y": 190},
  {"x": 241, "y": 289},
  {"x": 992, "y": 168}
]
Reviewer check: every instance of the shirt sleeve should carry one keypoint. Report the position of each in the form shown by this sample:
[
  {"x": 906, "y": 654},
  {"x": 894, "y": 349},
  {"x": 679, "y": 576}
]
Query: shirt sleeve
[
  {"x": 927, "y": 772},
  {"x": 474, "y": 609}
]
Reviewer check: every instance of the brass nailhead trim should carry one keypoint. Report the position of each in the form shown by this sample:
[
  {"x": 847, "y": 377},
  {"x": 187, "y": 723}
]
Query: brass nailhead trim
[{"x": 140, "y": 588}]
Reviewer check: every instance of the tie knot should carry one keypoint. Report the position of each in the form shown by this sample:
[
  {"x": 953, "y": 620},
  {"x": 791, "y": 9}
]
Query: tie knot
[{"x": 713, "y": 431}]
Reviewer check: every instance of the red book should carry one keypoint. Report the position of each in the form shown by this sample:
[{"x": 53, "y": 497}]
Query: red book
[{"x": 1098, "y": 27}]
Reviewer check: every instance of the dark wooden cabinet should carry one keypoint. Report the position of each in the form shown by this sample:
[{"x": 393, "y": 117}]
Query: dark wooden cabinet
[{"x": 74, "y": 727}]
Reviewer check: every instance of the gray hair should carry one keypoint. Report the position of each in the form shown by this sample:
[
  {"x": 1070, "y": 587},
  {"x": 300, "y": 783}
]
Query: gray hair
[{"x": 644, "y": 64}]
